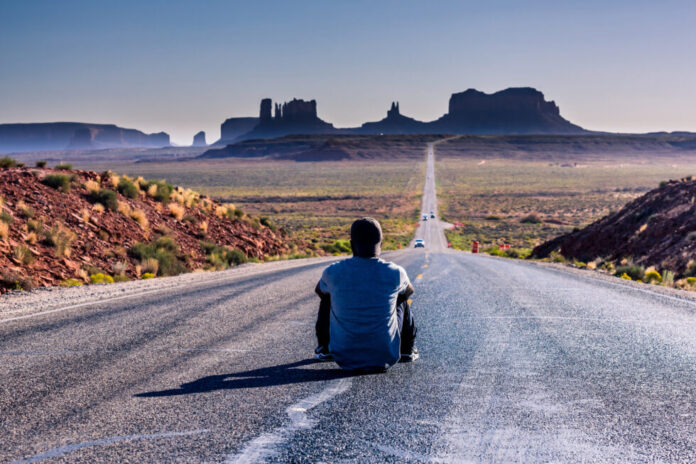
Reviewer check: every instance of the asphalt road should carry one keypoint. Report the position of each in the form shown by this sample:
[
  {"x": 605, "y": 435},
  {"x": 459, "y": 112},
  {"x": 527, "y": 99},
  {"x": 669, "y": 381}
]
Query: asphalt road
[{"x": 519, "y": 363}]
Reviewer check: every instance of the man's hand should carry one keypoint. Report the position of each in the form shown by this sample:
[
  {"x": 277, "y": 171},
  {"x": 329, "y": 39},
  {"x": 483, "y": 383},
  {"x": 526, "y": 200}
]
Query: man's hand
[
  {"x": 403, "y": 296},
  {"x": 321, "y": 294}
]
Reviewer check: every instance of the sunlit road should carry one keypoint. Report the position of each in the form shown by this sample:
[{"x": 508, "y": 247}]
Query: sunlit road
[{"x": 519, "y": 363}]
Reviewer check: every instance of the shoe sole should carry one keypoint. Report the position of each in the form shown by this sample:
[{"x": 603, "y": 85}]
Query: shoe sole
[
  {"x": 323, "y": 357},
  {"x": 406, "y": 358}
]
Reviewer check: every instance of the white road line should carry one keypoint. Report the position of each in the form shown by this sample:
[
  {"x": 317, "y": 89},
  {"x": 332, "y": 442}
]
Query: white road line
[
  {"x": 188, "y": 286},
  {"x": 267, "y": 444},
  {"x": 56, "y": 452}
]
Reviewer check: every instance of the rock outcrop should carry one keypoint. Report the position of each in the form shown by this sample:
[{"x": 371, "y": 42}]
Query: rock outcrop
[
  {"x": 293, "y": 117},
  {"x": 657, "y": 229},
  {"x": 36, "y": 216},
  {"x": 394, "y": 123},
  {"x": 233, "y": 128},
  {"x": 199, "y": 140},
  {"x": 74, "y": 135},
  {"x": 511, "y": 111}
]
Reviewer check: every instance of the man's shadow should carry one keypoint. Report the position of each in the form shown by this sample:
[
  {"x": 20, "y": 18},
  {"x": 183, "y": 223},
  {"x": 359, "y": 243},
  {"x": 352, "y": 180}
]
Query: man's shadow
[{"x": 283, "y": 374}]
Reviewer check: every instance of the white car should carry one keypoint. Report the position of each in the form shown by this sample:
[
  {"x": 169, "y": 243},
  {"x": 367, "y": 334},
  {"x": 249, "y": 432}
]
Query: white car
[{"x": 425, "y": 217}]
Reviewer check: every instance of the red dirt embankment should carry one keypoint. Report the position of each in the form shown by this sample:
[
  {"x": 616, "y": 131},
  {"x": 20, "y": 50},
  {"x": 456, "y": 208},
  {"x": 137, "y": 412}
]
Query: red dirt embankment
[
  {"x": 657, "y": 229},
  {"x": 49, "y": 235}
]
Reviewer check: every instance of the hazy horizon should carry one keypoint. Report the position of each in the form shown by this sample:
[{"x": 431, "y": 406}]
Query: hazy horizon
[{"x": 181, "y": 66}]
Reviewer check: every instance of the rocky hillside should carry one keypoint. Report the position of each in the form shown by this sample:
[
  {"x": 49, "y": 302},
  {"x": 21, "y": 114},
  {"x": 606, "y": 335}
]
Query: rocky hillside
[
  {"x": 63, "y": 226},
  {"x": 657, "y": 229}
]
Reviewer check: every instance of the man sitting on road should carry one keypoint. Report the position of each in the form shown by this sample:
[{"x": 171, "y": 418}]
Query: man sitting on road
[{"x": 364, "y": 317}]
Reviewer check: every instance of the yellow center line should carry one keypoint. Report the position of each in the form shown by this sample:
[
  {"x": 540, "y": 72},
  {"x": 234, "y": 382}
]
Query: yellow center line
[
  {"x": 419, "y": 276},
  {"x": 410, "y": 301}
]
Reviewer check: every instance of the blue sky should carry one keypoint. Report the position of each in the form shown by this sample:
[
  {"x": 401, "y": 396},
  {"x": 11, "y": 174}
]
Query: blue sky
[{"x": 184, "y": 66}]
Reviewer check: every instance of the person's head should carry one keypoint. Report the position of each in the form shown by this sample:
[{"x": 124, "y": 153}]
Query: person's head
[{"x": 366, "y": 238}]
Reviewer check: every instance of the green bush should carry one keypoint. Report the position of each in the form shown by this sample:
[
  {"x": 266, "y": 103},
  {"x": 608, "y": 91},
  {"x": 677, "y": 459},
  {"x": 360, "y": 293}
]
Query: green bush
[
  {"x": 635, "y": 272},
  {"x": 147, "y": 275},
  {"x": 101, "y": 278},
  {"x": 70, "y": 283},
  {"x": 106, "y": 197},
  {"x": 7, "y": 162},
  {"x": 165, "y": 251},
  {"x": 42, "y": 164},
  {"x": 265, "y": 221},
  {"x": 531, "y": 219},
  {"x": 64, "y": 167},
  {"x": 121, "y": 278},
  {"x": 221, "y": 257},
  {"x": 128, "y": 189},
  {"x": 58, "y": 182},
  {"x": 164, "y": 190},
  {"x": 337, "y": 247},
  {"x": 6, "y": 217}
]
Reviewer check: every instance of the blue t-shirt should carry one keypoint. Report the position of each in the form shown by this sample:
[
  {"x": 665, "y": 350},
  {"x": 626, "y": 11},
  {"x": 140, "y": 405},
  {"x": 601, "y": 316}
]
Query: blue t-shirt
[{"x": 364, "y": 330}]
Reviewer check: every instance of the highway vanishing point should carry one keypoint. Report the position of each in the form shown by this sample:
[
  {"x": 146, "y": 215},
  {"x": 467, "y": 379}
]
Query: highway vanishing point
[{"x": 520, "y": 362}]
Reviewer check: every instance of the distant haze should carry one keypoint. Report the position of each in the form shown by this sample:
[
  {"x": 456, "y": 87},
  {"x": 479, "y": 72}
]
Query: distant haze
[{"x": 186, "y": 66}]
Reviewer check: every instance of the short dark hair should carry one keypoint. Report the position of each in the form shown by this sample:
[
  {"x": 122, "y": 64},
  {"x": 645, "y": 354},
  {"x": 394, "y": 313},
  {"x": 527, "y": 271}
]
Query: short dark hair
[{"x": 365, "y": 237}]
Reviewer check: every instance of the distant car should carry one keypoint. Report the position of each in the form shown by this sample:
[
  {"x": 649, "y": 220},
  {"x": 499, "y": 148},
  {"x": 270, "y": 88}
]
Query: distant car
[
  {"x": 425, "y": 217},
  {"x": 432, "y": 215},
  {"x": 419, "y": 243}
]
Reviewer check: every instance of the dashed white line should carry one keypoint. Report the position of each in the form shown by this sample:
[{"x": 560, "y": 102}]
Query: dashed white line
[{"x": 267, "y": 444}]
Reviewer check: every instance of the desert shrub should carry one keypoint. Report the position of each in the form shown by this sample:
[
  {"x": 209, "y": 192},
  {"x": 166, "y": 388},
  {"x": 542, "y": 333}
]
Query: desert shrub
[
  {"x": 4, "y": 230},
  {"x": 57, "y": 181},
  {"x": 668, "y": 278},
  {"x": 105, "y": 197},
  {"x": 121, "y": 278},
  {"x": 634, "y": 271},
  {"x": 159, "y": 190},
  {"x": 147, "y": 275},
  {"x": 265, "y": 221},
  {"x": 337, "y": 247},
  {"x": 238, "y": 213},
  {"x": 652, "y": 276},
  {"x": 101, "y": 278},
  {"x": 221, "y": 257},
  {"x": 84, "y": 215},
  {"x": 492, "y": 218},
  {"x": 203, "y": 228},
  {"x": 663, "y": 184},
  {"x": 165, "y": 251},
  {"x": 7, "y": 162},
  {"x": 531, "y": 219},
  {"x": 92, "y": 186},
  {"x": 518, "y": 253},
  {"x": 124, "y": 208},
  {"x": 626, "y": 276},
  {"x": 31, "y": 238},
  {"x": 99, "y": 208},
  {"x": 14, "y": 281},
  {"x": 61, "y": 238},
  {"x": 35, "y": 225},
  {"x": 139, "y": 216},
  {"x": 6, "y": 217},
  {"x": 27, "y": 211},
  {"x": 149, "y": 265},
  {"x": 495, "y": 251},
  {"x": 691, "y": 281},
  {"x": 71, "y": 283},
  {"x": 41, "y": 164},
  {"x": 580, "y": 264},
  {"x": 64, "y": 167},
  {"x": 128, "y": 188},
  {"x": 176, "y": 211},
  {"x": 24, "y": 255}
]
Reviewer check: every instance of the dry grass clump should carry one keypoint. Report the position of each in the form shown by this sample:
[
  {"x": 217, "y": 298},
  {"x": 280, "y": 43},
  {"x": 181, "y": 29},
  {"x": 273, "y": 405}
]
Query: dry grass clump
[
  {"x": 114, "y": 179},
  {"x": 31, "y": 238},
  {"x": 177, "y": 211},
  {"x": 99, "y": 208},
  {"x": 139, "y": 216},
  {"x": 207, "y": 205},
  {"x": 124, "y": 208},
  {"x": 152, "y": 190},
  {"x": 27, "y": 211},
  {"x": 24, "y": 255},
  {"x": 92, "y": 186},
  {"x": 4, "y": 230},
  {"x": 203, "y": 226},
  {"x": 61, "y": 238},
  {"x": 149, "y": 265},
  {"x": 84, "y": 215}
]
